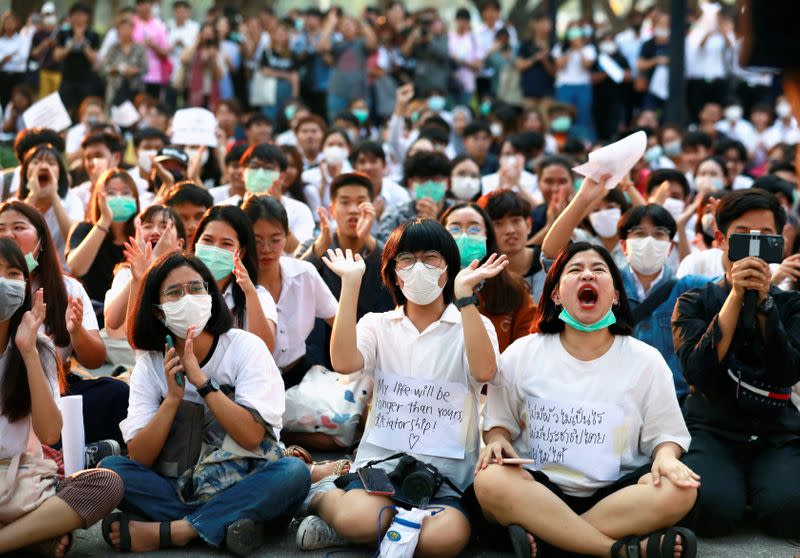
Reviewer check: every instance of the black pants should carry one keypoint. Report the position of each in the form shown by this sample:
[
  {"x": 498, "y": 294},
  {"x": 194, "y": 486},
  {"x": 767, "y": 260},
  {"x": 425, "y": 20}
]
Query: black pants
[
  {"x": 735, "y": 473},
  {"x": 7, "y": 82},
  {"x": 74, "y": 92}
]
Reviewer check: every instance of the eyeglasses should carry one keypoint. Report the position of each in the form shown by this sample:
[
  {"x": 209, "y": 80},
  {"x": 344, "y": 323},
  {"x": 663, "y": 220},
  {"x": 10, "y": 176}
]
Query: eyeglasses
[
  {"x": 659, "y": 233},
  {"x": 430, "y": 259},
  {"x": 174, "y": 293},
  {"x": 471, "y": 230}
]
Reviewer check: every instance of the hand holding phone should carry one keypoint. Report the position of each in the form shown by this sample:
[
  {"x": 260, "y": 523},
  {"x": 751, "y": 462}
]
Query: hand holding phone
[{"x": 179, "y": 375}]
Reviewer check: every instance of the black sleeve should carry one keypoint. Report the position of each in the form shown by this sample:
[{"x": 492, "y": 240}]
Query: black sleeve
[
  {"x": 78, "y": 233},
  {"x": 648, "y": 50},
  {"x": 61, "y": 38},
  {"x": 526, "y": 49},
  {"x": 782, "y": 340},
  {"x": 94, "y": 40}
]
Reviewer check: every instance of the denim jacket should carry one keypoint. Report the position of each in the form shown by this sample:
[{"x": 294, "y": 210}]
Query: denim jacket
[{"x": 656, "y": 329}]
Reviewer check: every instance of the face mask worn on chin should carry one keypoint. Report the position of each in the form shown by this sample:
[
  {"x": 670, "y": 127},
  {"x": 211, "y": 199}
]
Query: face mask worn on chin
[
  {"x": 661, "y": 32},
  {"x": 334, "y": 155},
  {"x": 420, "y": 283},
  {"x": 12, "y": 295},
  {"x": 218, "y": 260},
  {"x": 647, "y": 255},
  {"x": 145, "y": 159},
  {"x": 122, "y": 208},
  {"x": 675, "y": 207},
  {"x": 465, "y": 187},
  {"x": 470, "y": 248},
  {"x": 606, "y": 321},
  {"x": 605, "y": 221},
  {"x": 258, "y": 181},
  {"x": 190, "y": 310},
  {"x": 608, "y": 47},
  {"x": 30, "y": 260}
]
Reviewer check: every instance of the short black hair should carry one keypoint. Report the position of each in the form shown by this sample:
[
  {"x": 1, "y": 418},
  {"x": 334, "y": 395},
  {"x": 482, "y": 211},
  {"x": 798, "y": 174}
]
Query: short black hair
[
  {"x": 728, "y": 144},
  {"x": 529, "y": 144},
  {"x": 235, "y": 153},
  {"x": 659, "y": 216},
  {"x": 490, "y": 4},
  {"x": 146, "y": 331},
  {"x": 335, "y": 131},
  {"x": 546, "y": 318},
  {"x": 148, "y": 134},
  {"x": 112, "y": 141},
  {"x": 776, "y": 185},
  {"x": 554, "y": 161},
  {"x": 420, "y": 235},
  {"x": 435, "y": 134},
  {"x": 476, "y": 127},
  {"x": 697, "y": 139},
  {"x": 717, "y": 160},
  {"x": 257, "y": 118},
  {"x": 267, "y": 153},
  {"x": 368, "y": 147},
  {"x": 735, "y": 204},
  {"x": 187, "y": 191},
  {"x": 426, "y": 164},
  {"x": 79, "y": 7},
  {"x": 350, "y": 179},
  {"x": 349, "y": 117},
  {"x": 463, "y": 13},
  {"x": 672, "y": 175},
  {"x": 181, "y": 4},
  {"x": 502, "y": 203},
  {"x": 29, "y": 138},
  {"x": 152, "y": 211},
  {"x": 267, "y": 208}
]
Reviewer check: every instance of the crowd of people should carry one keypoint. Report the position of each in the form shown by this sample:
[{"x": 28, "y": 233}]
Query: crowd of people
[{"x": 382, "y": 248}]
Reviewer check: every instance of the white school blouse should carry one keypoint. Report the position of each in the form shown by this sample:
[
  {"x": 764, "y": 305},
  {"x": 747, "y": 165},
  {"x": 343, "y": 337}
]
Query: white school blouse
[
  {"x": 630, "y": 374},
  {"x": 239, "y": 359}
]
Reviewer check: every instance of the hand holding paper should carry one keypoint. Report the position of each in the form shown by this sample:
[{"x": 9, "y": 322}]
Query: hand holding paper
[{"x": 614, "y": 160}]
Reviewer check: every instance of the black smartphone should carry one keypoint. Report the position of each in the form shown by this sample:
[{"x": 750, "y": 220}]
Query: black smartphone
[
  {"x": 376, "y": 481},
  {"x": 179, "y": 375},
  {"x": 768, "y": 247}
]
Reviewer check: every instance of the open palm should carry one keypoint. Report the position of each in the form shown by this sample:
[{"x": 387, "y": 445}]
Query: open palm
[
  {"x": 31, "y": 322},
  {"x": 345, "y": 264},
  {"x": 472, "y": 275}
]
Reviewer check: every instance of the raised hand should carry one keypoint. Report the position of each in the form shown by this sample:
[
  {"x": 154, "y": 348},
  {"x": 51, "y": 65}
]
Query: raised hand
[
  {"x": 789, "y": 268},
  {"x": 366, "y": 218},
  {"x": 32, "y": 320},
  {"x": 661, "y": 193},
  {"x": 106, "y": 216},
  {"x": 172, "y": 366},
  {"x": 138, "y": 257},
  {"x": 469, "y": 277},
  {"x": 345, "y": 264},
  {"x": 404, "y": 95},
  {"x": 241, "y": 275},
  {"x": 426, "y": 208},
  {"x": 593, "y": 190},
  {"x": 168, "y": 242},
  {"x": 195, "y": 164},
  {"x": 74, "y": 315},
  {"x": 190, "y": 364},
  {"x": 324, "y": 240}
]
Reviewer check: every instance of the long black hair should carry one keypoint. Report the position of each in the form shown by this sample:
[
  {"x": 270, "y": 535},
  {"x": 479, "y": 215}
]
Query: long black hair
[
  {"x": 15, "y": 392},
  {"x": 546, "y": 318},
  {"x": 238, "y": 221}
]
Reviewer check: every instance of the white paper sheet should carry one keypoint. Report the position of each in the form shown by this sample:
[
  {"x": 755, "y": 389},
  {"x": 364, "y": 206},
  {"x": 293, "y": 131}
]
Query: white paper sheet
[
  {"x": 610, "y": 67},
  {"x": 615, "y": 159},
  {"x": 418, "y": 416},
  {"x": 49, "y": 112},
  {"x": 194, "y": 126},
  {"x": 125, "y": 115},
  {"x": 581, "y": 436},
  {"x": 659, "y": 83},
  {"x": 73, "y": 442}
]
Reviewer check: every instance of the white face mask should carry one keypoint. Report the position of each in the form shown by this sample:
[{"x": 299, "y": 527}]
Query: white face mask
[
  {"x": 608, "y": 47},
  {"x": 783, "y": 110},
  {"x": 496, "y": 129},
  {"x": 145, "y": 159},
  {"x": 190, "y": 310},
  {"x": 647, "y": 255},
  {"x": 420, "y": 283},
  {"x": 334, "y": 155},
  {"x": 465, "y": 187},
  {"x": 203, "y": 158},
  {"x": 661, "y": 32},
  {"x": 604, "y": 222},
  {"x": 675, "y": 207},
  {"x": 733, "y": 113}
]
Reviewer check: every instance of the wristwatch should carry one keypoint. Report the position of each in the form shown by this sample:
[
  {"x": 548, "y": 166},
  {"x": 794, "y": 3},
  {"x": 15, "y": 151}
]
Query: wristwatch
[
  {"x": 208, "y": 387},
  {"x": 766, "y": 305},
  {"x": 466, "y": 301}
]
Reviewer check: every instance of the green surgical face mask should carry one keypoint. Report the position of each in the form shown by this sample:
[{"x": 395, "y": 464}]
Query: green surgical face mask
[
  {"x": 561, "y": 123},
  {"x": 433, "y": 189},
  {"x": 361, "y": 115},
  {"x": 258, "y": 181},
  {"x": 31, "y": 261},
  {"x": 289, "y": 112},
  {"x": 218, "y": 261},
  {"x": 122, "y": 208},
  {"x": 608, "y": 320},
  {"x": 470, "y": 247}
]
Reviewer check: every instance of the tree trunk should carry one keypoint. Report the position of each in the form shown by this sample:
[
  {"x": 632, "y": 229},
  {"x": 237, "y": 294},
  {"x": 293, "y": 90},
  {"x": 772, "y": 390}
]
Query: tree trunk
[{"x": 587, "y": 9}]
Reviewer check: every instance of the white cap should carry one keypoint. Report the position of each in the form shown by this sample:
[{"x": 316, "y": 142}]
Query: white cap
[{"x": 48, "y": 8}]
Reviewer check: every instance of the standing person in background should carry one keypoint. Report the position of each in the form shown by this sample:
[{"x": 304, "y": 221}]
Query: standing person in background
[
  {"x": 535, "y": 62},
  {"x": 204, "y": 65},
  {"x": 13, "y": 55},
  {"x": 707, "y": 48},
  {"x": 278, "y": 62},
  {"x": 610, "y": 97},
  {"x": 151, "y": 32},
  {"x": 43, "y": 44},
  {"x": 574, "y": 57},
  {"x": 427, "y": 46},
  {"x": 315, "y": 73},
  {"x": 465, "y": 53},
  {"x": 491, "y": 23},
  {"x": 182, "y": 32},
  {"x": 124, "y": 65},
  {"x": 654, "y": 57},
  {"x": 76, "y": 50}
]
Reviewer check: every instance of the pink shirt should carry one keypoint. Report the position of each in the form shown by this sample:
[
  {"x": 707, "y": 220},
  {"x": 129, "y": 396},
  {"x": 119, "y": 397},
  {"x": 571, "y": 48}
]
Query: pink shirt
[{"x": 155, "y": 30}]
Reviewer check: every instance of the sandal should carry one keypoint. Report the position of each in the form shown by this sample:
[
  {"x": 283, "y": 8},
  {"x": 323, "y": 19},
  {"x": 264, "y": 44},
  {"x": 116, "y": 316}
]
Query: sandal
[
  {"x": 164, "y": 531},
  {"x": 338, "y": 468},
  {"x": 660, "y": 544},
  {"x": 243, "y": 537},
  {"x": 519, "y": 541},
  {"x": 48, "y": 547},
  {"x": 300, "y": 453}
]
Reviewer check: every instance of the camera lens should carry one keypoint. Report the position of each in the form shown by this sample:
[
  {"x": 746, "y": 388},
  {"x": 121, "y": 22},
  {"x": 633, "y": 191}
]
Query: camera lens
[{"x": 418, "y": 487}]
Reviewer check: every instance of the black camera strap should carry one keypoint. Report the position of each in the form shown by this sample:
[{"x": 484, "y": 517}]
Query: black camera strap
[{"x": 446, "y": 480}]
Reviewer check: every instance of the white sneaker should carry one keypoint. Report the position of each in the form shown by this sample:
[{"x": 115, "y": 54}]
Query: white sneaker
[{"x": 314, "y": 534}]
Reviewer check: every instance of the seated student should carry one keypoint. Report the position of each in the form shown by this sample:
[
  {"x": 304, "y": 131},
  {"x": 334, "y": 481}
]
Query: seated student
[
  {"x": 233, "y": 181},
  {"x": 170, "y": 166},
  {"x": 465, "y": 179},
  {"x": 556, "y": 184},
  {"x": 147, "y": 142},
  {"x": 511, "y": 220},
  {"x": 478, "y": 143},
  {"x": 23, "y": 142},
  {"x": 336, "y": 149},
  {"x": 369, "y": 158},
  {"x": 224, "y": 242},
  {"x": 427, "y": 177},
  {"x": 41, "y": 520},
  {"x": 435, "y": 336},
  {"x": 244, "y": 482},
  {"x": 163, "y": 231},
  {"x": 504, "y": 298},
  {"x": 95, "y": 245},
  {"x": 44, "y": 184},
  {"x": 292, "y": 184},
  {"x": 258, "y": 129},
  {"x": 517, "y": 149},
  {"x": 742, "y": 363},
  {"x": 264, "y": 171},
  {"x": 670, "y": 189},
  {"x": 352, "y": 209},
  {"x": 190, "y": 201},
  {"x": 618, "y": 495},
  {"x": 101, "y": 151}
]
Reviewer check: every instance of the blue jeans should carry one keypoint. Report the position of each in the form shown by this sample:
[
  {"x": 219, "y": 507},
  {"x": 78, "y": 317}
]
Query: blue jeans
[
  {"x": 579, "y": 96},
  {"x": 271, "y": 494}
]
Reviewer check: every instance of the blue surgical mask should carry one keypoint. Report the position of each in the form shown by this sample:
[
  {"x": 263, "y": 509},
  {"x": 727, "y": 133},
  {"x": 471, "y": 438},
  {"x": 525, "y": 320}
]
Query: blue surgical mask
[
  {"x": 606, "y": 321},
  {"x": 436, "y": 103}
]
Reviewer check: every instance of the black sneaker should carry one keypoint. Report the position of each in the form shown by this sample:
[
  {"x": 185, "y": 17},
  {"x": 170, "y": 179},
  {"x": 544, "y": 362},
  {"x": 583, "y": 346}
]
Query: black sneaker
[{"x": 97, "y": 451}]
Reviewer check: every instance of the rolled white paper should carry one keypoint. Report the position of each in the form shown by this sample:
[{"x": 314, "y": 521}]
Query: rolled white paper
[{"x": 73, "y": 441}]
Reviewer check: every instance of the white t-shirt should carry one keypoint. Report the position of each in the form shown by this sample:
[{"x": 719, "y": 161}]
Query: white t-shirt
[
  {"x": 706, "y": 263},
  {"x": 740, "y": 130},
  {"x": 574, "y": 73},
  {"x": 221, "y": 193},
  {"x": 313, "y": 178},
  {"x": 267, "y": 304},
  {"x": 527, "y": 180},
  {"x": 304, "y": 297},
  {"x": 240, "y": 360},
  {"x": 186, "y": 34},
  {"x": 631, "y": 375},
  {"x": 18, "y": 437},
  {"x": 17, "y": 46},
  {"x": 393, "y": 194},
  {"x": 389, "y": 342}
]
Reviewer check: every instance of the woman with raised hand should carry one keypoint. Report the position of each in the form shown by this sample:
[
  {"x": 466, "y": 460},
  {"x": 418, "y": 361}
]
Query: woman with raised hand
[
  {"x": 192, "y": 364},
  {"x": 37, "y": 515},
  {"x": 595, "y": 413},
  {"x": 435, "y": 341}
]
